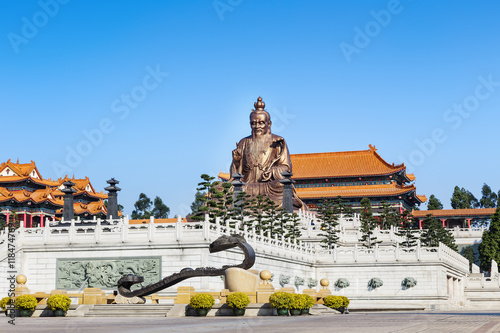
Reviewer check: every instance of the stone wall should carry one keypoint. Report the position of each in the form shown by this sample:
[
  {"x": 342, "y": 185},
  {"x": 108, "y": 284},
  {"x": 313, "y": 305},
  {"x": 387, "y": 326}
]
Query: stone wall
[{"x": 181, "y": 245}]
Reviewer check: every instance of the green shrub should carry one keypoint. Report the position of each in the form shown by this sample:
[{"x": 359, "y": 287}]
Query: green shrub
[
  {"x": 27, "y": 302},
  {"x": 238, "y": 300},
  {"x": 309, "y": 300},
  {"x": 280, "y": 300},
  {"x": 4, "y": 302},
  {"x": 202, "y": 301},
  {"x": 333, "y": 302},
  {"x": 336, "y": 302},
  {"x": 301, "y": 301},
  {"x": 59, "y": 302}
]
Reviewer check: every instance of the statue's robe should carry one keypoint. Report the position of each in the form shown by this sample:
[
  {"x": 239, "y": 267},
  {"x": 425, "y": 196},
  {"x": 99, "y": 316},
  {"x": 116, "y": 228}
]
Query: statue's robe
[{"x": 262, "y": 174}]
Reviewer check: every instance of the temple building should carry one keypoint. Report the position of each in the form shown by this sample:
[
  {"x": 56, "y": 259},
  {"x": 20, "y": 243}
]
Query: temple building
[
  {"x": 25, "y": 195},
  {"x": 353, "y": 175}
]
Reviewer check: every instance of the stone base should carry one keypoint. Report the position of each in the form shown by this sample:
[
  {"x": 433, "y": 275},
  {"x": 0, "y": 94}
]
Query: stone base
[{"x": 119, "y": 299}]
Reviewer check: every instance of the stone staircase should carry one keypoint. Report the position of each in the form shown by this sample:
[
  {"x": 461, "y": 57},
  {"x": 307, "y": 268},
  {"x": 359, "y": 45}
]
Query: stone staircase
[{"x": 129, "y": 310}]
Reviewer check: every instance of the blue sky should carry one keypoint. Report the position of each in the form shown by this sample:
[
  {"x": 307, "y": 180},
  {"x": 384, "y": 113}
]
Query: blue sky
[{"x": 155, "y": 93}]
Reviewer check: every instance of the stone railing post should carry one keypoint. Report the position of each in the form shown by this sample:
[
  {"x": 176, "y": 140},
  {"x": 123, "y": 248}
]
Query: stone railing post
[
  {"x": 151, "y": 229},
  {"x": 355, "y": 252},
  {"x": 124, "y": 230},
  {"x": 178, "y": 231},
  {"x": 71, "y": 232},
  {"x": 97, "y": 231},
  {"x": 396, "y": 252},
  {"x": 46, "y": 233},
  {"x": 206, "y": 228}
]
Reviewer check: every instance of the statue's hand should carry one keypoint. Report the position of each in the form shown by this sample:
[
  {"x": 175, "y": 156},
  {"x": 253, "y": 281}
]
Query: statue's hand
[
  {"x": 266, "y": 175},
  {"x": 237, "y": 154}
]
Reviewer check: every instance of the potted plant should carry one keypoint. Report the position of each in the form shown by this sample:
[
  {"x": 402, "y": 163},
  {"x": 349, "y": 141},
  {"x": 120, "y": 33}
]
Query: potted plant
[
  {"x": 280, "y": 300},
  {"x": 3, "y": 304},
  {"x": 238, "y": 302},
  {"x": 308, "y": 302},
  {"x": 59, "y": 304},
  {"x": 339, "y": 303},
  {"x": 26, "y": 305},
  {"x": 201, "y": 303},
  {"x": 296, "y": 305}
]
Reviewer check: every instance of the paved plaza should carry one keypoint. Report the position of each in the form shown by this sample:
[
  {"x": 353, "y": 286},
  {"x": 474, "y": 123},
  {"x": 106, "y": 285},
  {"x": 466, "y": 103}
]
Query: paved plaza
[{"x": 435, "y": 322}]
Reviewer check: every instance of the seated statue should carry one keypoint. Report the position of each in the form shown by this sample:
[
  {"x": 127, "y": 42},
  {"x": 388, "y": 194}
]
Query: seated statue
[{"x": 262, "y": 158}]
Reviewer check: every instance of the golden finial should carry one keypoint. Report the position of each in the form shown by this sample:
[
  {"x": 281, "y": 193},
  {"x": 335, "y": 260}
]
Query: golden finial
[{"x": 259, "y": 105}]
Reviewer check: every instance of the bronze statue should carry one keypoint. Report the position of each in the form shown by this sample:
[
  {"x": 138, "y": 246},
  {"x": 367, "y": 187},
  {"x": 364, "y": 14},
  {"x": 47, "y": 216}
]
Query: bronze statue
[{"x": 262, "y": 158}]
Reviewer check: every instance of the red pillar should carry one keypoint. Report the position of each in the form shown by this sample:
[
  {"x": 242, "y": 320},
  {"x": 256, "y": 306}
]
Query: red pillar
[
  {"x": 24, "y": 220},
  {"x": 8, "y": 216},
  {"x": 444, "y": 222},
  {"x": 41, "y": 220},
  {"x": 31, "y": 220},
  {"x": 420, "y": 224},
  {"x": 468, "y": 223}
]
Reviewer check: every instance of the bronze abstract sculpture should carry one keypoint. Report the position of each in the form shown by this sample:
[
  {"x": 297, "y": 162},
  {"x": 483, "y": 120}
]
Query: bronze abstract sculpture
[
  {"x": 262, "y": 158},
  {"x": 220, "y": 244}
]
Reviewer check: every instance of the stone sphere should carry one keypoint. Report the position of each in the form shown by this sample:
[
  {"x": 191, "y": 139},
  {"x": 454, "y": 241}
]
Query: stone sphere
[
  {"x": 265, "y": 275},
  {"x": 21, "y": 279},
  {"x": 324, "y": 282}
]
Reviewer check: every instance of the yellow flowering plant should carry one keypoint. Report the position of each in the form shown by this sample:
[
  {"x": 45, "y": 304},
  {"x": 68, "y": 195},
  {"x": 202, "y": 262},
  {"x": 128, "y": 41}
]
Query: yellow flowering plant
[
  {"x": 59, "y": 301},
  {"x": 26, "y": 302},
  {"x": 280, "y": 300},
  {"x": 238, "y": 300},
  {"x": 202, "y": 301},
  {"x": 4, "y": 302}
]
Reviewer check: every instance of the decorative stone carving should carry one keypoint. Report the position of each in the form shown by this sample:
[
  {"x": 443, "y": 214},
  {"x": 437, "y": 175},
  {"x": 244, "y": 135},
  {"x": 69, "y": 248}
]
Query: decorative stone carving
[
  {"x": 104, "y": 272},
  {"x": 284, "y": 279},
  {"x": 408, "y": 283},
  {"x": 375, "y": 283},
  {"x": 119, "y": 299},
  {"x": 342, "y": 283},
  {"x": 312, "y": 283},
  {"x": 298, "y": 282}
]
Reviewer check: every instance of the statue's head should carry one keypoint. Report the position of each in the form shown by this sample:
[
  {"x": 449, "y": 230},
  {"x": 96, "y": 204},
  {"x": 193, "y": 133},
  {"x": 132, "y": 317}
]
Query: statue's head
[{"x": 260, "y": 120}]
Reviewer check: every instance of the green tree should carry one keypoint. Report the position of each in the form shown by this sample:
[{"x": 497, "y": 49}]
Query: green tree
[
  {"x": 368, "y": 224},
  {"x": 240, "y": 210},
  {"x": 388, "y": 216},
  {"x": 160, "y": 210},
  {"x": 434, "y": 203},
  {"x": 407, "y": 230},
  {"x": 468, "y": 253},
  {"x": 434, "y": 233},
  {"x": 142, "y": 208},
  {"x": 462, "y": 199},
  {"x": 329, "y": 212},
  {"x": 489, "y": 198},
  {"x": 221, "y": 202},
  {"x": 257, "y": 209},
  {"x": 489, "y": 248},
  {"x": 272, "y": 216},
  {"x": 204, "y": 206},
  {"x": 198, "y": 202},
  {"x": 293, "y": 232}
]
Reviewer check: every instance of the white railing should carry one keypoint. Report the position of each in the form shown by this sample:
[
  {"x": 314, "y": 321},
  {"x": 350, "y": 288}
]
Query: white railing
[{"x": 119, "y": 231}]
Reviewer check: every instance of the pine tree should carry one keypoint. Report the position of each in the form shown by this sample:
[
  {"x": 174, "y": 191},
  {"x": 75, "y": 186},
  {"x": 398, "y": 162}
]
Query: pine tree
[
  {"x": 434, "y": 203},
  {"x": 329, "y": 222},
  {"x": 368, "y": 224},
  {"x": 221, "y": 195},
  {"x": 462, "y": 199},
  {"x": 407, "y": 230},
  {"x": 197, "y": 203},
  {"x": 388, "y": 216},
  {"x": 293, "y": 232},
  {"x": 329, "y": 212},
  {"x": 489, "y": 248},
  {"x": 142, "y": 208},
  {"x": 256, "y": 209},
  {"x": 489, "y": 198},
  {"x": 240, "y": 210},
  {"x": 468, "y": 253},
  {"x": 434, "y": 233},
  {"x": 271, "y": 222}
]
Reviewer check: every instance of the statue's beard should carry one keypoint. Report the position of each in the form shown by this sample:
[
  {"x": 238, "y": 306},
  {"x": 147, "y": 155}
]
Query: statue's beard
[{"x": 260, "y": 145}]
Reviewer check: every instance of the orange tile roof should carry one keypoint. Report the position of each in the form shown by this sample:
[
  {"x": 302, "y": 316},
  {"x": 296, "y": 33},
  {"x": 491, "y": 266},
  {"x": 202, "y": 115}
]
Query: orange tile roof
[
  {"x": 410, "y": 176},
  {"x": 485, "y": 212},
  {"x": 342, "y": 164},
  {"x": 21, "y": 169},
  {"x": 391, "y": 189},
  {"x": 224, "y": 176},
  {"x": 145, "y": 221}
]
